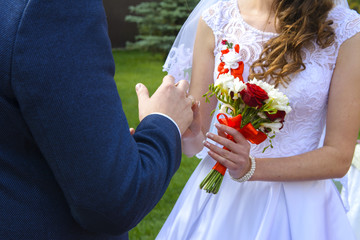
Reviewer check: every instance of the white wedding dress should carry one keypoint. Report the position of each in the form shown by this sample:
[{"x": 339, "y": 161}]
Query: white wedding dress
[
  {"x": 307, "y": 210},
  {"x": 353, "y": 192}
]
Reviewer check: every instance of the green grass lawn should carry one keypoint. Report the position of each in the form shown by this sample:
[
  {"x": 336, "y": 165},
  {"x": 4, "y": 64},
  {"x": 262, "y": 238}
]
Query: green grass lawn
[{"x": 133, "y": 67}]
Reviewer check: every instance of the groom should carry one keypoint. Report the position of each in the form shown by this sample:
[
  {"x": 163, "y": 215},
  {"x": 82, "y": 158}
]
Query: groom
[{"x": 69, "y": 168}]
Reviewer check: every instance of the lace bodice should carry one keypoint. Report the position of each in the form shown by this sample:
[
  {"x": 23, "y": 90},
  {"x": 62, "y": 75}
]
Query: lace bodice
[{"x": 307, "y": 91}]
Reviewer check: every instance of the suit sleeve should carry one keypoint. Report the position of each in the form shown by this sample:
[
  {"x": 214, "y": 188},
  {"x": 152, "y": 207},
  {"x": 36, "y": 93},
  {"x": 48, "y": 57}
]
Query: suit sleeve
[{"x": 62, "y": 75}]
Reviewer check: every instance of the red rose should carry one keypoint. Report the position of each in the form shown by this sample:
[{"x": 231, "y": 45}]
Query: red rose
[
  {"x": 278, "y": 115},
  {"x": 253, "y": 95}
]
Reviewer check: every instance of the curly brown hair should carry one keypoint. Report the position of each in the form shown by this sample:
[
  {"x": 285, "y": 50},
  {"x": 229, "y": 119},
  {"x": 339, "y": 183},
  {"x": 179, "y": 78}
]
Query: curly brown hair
[{"x": 298, "y": 22}]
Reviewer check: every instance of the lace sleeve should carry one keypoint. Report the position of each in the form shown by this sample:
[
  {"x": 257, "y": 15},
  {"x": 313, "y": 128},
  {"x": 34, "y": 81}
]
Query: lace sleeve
[
  {"x": 215, "y": 19},
  {"x": 212, "y": 15},
  {"x": 346, "y": 24}
]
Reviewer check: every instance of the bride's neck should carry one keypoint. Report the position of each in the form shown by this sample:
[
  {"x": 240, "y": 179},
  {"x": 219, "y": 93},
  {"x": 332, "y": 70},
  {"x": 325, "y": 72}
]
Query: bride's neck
[
  {"x": 257, "y": 7},
  {"x": 258, "y": 13}
]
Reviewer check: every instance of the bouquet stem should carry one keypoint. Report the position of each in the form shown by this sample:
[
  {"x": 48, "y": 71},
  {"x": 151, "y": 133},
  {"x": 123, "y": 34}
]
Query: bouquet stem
[{"x": 212, "y": 182}]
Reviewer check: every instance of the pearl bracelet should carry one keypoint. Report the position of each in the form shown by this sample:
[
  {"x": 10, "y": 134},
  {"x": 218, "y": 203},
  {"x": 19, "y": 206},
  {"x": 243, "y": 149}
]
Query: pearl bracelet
[{"x": 249, "y": 174}]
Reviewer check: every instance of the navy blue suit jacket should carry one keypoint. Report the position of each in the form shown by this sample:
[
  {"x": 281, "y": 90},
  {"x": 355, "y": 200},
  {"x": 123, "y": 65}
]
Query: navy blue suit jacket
[{"x": 69, "y": 169}]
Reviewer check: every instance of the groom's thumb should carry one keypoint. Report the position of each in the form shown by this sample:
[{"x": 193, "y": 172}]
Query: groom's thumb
[
  {"x": 143, "y": 96},
  {"x": 142, "y": 92}
]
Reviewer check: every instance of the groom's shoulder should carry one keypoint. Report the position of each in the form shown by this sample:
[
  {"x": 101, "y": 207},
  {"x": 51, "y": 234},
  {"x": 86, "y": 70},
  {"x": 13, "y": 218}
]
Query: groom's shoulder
[
  {"x": 10, "y": 13},
  {"x": 12, "y": 5}
]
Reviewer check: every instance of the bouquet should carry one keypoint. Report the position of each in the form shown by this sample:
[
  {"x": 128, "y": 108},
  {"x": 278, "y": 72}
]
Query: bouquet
[{"x": 256, "y": 108}]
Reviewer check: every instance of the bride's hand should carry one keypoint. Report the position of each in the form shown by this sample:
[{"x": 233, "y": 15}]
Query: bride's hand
[
  {"x": 193, "y": 137},
  {"x": 195, "y": 127},
  {"x": 236, "y": 155},
  {"x": 132, "y": 131}
]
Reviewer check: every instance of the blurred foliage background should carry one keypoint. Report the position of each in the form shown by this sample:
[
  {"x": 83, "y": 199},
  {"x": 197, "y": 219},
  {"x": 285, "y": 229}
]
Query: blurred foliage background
[
  {"x": 355, "y": 4},
  {"x": 158, "y": 23}
]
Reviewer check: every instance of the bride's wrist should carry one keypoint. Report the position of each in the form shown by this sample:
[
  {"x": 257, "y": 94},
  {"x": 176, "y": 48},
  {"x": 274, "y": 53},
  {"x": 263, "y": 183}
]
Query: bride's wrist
[
  {"x": 192, "y": 145},
  {"x": 250, "y": 173}
]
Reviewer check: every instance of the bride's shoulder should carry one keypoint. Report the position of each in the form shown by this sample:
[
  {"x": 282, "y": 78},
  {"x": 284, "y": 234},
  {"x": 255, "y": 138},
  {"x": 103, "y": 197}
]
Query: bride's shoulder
[
  {"x": 340, "y": 12},
  {"x": 346, "y": 22},
  {"x": 342, "y": 15},
  {"x": 219, "y": 8},
  {"x": 219, "y": 13}
]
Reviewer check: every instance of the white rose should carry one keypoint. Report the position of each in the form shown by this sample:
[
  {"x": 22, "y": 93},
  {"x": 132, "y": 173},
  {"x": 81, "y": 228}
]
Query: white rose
[
  {"x": 280, "y": 101},
  {"x": 237, "y": 87},
  {"x": 231, "y": 60},
  {"x": 274, "y": 126},
  {"x": 262, "y": 115},
  {"x": 224, "y": 108},
  {"x": 225, "y": 81}
]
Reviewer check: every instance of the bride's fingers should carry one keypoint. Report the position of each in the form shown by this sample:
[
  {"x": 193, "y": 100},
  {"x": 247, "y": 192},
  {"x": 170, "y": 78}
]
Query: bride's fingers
[
  {"x": 225, "y": 154},
  {"x": 223, "y": 140},
  {"x": 238, "y": 137},
  {"x": 132, "y": 131},
  {"x": 222, "y": 133},
  {"x": 219, "y": 150},
  {"x": 237, "y": 164},
  {"x": 220, "y": 157}
]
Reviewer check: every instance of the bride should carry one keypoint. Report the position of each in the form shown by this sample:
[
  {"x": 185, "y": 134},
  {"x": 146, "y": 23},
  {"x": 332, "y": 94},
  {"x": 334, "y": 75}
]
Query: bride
[{"x": 310, "y": 50}]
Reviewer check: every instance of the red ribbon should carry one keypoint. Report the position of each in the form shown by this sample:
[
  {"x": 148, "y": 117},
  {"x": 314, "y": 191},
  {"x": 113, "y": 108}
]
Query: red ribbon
[
  {"x": 221, "y": 69},
  {"x": 237, "y": 73},
  {"x": 248, "y": 131},
  {"x": 220, "y": 168}
]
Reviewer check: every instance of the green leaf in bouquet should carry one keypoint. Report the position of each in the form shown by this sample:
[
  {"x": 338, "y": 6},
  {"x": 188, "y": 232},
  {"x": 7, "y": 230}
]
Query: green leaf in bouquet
[{"x": 270, "y": 142}]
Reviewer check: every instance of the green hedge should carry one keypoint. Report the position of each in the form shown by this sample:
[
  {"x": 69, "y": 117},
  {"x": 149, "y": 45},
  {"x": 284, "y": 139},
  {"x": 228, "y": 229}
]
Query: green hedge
[
  {"x": 355, "y": 4},
  {"x": 158, "y": 23}
]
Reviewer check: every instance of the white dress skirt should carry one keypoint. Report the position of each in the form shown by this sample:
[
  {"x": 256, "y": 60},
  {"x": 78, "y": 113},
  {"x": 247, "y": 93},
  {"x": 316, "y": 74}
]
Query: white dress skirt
[
  {"x": 257, "y": 210},
  {"x": 352, "y": 192}
]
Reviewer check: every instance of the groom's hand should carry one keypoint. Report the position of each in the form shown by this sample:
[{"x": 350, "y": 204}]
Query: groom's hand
[{"x": 169, "y": 99}]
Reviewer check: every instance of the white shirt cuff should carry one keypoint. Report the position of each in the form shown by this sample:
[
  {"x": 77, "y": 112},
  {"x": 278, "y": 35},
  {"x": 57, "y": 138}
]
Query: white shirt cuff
[{"x": 169, "y": 119}]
